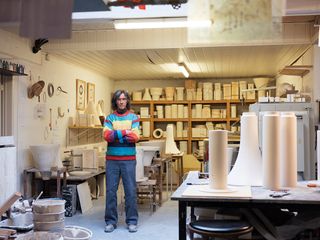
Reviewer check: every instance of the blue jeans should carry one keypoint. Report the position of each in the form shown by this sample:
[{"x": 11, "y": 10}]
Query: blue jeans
[{"x": 127, "y": 170}]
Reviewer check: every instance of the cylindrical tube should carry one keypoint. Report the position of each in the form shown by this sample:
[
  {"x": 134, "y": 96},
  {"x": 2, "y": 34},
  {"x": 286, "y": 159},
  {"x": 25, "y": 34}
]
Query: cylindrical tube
[
  {"x": 288, "y": 149},
  {"x": 270, "y": 150},
  {"x": 218, "y": 167}
]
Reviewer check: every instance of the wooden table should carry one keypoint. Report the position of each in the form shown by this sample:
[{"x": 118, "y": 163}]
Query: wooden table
[
  {"x": 69, "y": 178},
  {"x": 300, "y": 198},
  {"x": 32, "y": 171}
]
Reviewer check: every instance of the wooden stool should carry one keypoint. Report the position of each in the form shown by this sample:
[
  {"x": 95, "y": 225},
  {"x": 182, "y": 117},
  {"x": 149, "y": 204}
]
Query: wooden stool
[{"x": 226, "y": 229}]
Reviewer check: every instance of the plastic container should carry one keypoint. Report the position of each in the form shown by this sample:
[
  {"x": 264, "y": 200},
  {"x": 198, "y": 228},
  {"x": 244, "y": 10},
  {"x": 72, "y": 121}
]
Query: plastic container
[{"x": 76, "y": 233}]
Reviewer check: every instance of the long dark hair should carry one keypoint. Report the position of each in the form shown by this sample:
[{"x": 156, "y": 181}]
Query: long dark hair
[{"x": 116, "y": 96}]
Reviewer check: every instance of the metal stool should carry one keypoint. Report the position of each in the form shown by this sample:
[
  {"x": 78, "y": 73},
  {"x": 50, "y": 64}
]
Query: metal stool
[{"x": 226, "y": 229}]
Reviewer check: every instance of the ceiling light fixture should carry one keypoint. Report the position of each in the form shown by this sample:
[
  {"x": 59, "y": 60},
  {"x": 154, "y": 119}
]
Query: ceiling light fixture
[
  {"x": 183, "y": 69},
  {"x": 160, "y": 23}
]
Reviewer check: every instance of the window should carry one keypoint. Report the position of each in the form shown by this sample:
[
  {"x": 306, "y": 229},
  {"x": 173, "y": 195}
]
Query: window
[{"x": 6, "y": 105}]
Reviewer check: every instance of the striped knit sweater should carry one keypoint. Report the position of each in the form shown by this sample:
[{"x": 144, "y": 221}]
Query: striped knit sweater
[{"x": 121, "y": 131}]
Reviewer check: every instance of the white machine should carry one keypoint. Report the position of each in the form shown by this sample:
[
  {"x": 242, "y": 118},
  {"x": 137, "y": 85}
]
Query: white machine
[{"x": 305, "y": 132}]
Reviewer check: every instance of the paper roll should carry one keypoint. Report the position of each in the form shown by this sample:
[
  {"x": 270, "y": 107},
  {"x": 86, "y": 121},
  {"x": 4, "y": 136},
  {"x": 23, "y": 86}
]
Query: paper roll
[
  {"x": 288, "y": 149},
  {"x": 157, "y": 133},
  {"x": 270, "y": 150},
  {"x": 171, "y": 147},
  {"x": 318, "y": 154},
  {"x": 146, "y": 129},
  {"x": 218, "y": 166},
  {"x": 247, "y": 169}
]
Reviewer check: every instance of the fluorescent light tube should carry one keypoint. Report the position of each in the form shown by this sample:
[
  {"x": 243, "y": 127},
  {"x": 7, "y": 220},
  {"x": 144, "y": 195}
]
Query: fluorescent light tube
[
  {"x": 159, "y": 23},
  {"x": 183, "y": 70}
]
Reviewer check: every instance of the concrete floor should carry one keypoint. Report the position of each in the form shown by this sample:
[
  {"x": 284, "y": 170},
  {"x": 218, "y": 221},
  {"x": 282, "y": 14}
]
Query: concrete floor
[{"x": 162, "y": 224}]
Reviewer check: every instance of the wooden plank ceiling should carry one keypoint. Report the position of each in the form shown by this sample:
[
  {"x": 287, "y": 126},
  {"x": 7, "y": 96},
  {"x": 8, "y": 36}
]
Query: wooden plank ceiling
[
  {"x": 202, "y": 62},
  {"x": 154, "y": 55}
]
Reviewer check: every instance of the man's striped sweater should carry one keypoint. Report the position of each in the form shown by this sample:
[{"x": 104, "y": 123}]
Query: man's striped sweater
[{"x": 121, "y": 131}]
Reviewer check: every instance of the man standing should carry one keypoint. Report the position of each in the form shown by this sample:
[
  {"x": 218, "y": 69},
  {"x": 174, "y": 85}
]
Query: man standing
[{"x": 121, "y": 131}]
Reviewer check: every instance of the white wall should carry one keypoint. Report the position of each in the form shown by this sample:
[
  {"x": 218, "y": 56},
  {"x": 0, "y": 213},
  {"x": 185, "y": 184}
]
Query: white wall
[{"x": 29, "y": 129}]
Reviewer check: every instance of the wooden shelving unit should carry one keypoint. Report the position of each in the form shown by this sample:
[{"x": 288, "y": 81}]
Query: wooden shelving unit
[
  {"x": 6, "y": 72},
  {"x": 190, "y": 122},
  {"x": 84, "y": 135}
]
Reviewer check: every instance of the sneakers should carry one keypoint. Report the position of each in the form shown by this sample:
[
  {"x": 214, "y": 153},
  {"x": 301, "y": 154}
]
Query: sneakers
[
  {"x": 132, "y": 228},
  {"x": 109, "y": 228}
]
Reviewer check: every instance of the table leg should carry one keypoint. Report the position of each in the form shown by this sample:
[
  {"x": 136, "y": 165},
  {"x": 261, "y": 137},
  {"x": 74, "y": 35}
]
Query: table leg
[
  {"x": 167, "y": 179},
  {"x": 181, "y": 169},
  {"x": 160, "y": 184},
  {"x": 170, "y": 178},
  {"x": 182, "y": 220},
  {"x": 25, "y": 184},
  {"x": 58, "y": 183}
]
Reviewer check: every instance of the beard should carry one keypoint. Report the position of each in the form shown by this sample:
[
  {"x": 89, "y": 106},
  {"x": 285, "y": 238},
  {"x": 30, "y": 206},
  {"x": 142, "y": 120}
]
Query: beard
[{"x": 121, "y": 111}]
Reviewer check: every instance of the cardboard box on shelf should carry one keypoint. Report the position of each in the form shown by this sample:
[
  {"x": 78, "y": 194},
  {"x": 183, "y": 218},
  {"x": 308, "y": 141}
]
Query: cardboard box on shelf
[{"x": 189, "y": 84}]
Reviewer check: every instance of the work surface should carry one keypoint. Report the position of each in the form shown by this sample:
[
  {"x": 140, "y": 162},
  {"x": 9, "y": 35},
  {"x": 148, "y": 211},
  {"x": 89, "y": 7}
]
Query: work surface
[{"x": 299, "y": 198}]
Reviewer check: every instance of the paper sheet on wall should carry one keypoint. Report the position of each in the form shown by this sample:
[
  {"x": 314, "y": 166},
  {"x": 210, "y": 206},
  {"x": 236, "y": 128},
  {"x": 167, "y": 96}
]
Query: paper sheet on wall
[
  {"x": 235, "y": 20},
  {"x": 200, "y": 191}
]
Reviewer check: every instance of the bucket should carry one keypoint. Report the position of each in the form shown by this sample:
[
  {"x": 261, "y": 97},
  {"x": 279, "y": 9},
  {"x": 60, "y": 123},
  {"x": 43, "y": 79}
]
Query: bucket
[
  {"x": 40, "y": 236},
  {"x": 55, "y": 226},
  {"x": 76, "y": 233},
  {"x": 48, "y": 206},
  {"x": 48, "y": 217}
]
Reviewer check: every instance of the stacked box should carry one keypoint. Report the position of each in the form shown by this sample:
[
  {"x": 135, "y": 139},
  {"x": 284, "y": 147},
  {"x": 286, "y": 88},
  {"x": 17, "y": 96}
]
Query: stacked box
[
  {"x": 190, "y": 84},
  {"x": 243, "y": 86},
  {"x": 226, "y": 91},
  {"x": 251, "y": 94},
  {"x": 69, "y": 194},
  {"x": 235, "y": 90},
  {"x": 217, "y": 93}
]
